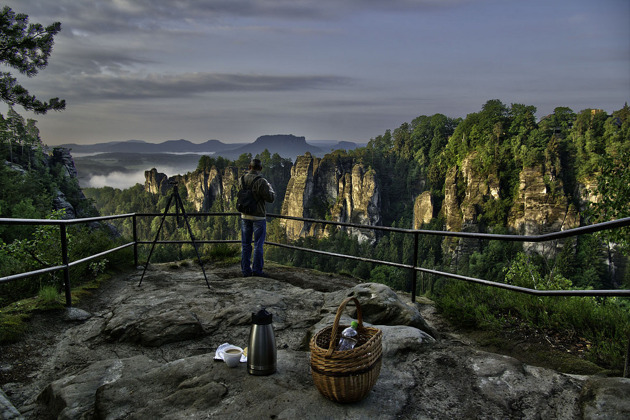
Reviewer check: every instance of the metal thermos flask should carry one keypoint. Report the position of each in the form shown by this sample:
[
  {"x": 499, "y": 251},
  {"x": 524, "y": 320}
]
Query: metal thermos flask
[{"x": 261, "y": 354}]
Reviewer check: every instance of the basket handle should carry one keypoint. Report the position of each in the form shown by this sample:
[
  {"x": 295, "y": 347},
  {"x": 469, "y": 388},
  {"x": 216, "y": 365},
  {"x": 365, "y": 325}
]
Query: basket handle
[{"x": 333, "y": 334}]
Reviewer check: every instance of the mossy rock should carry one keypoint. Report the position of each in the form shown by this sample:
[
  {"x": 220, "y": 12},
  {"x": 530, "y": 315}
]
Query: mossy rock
[{"x": 12, "y": 327}]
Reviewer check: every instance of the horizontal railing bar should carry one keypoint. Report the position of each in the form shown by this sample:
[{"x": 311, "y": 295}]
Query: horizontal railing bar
[
  {"x": 536, "y": 292},
  {"x": 333, "y": 254},
  {"x": 216, "y": 241},
  {"x": 191, "y": 214},
  {"x": 466, "y": 278},
  {"x": 487, "y": 236},
  {"x": 12, "y": 221},
  {"x": 100, "y": 254},
  {"x": 14, "y": 277},
  {"x": 97, "y": 219}
]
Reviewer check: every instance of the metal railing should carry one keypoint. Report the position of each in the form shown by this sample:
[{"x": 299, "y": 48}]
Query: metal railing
[
  {"x": 66, "y": 264},
  {"x": 413, "y": 265},
  {"x": 484, "y": 236}
]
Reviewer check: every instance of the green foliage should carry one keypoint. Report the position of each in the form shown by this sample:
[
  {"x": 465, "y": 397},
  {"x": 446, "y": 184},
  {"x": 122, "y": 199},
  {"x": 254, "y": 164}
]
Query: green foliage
[
  {"x": 603, "y": 324},
  {"x": 522, "y": 272},
  {"x": 242, "y": 163},
  {"x": 206, "y": 163},
  {"x": 394, "y": 277},
  {"x": 225, "y": 253},
  {"x": 49, "y": 295},
  {"x": 98, "y": 267},
  {"x": 12, "y": 327},
  {"x": 613, "y": 195},
  {"x": 26, "y": 48},
  {"x": 41, "y": 248}
]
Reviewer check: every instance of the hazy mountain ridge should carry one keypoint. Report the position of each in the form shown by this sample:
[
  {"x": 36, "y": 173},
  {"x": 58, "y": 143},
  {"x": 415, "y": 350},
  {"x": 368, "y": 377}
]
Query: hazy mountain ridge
[
  {"x": 122, "y": 163},
  {"x": 286, "y": 145},
  {"x": 141, "y": 146}
]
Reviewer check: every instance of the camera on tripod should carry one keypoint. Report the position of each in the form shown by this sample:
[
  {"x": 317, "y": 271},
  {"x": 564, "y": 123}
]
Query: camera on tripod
[{"x": 179, "y": 207}]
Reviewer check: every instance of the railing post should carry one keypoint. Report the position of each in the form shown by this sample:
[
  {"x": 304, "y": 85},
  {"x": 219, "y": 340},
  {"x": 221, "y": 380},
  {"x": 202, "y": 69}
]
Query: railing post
[
  {"x": 65, "y": 262},
  {"x": 135, "y": 242},
  {"x": 414, "y": 280}
]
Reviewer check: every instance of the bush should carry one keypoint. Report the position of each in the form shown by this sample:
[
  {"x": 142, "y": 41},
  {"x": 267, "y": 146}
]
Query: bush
[
  {"x": 605, "y": 324},
  {"x": 224, "y": 251}
]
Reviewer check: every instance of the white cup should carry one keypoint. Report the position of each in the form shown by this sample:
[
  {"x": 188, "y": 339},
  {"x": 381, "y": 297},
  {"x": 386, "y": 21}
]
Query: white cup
[{"x": 232, "y": 356}]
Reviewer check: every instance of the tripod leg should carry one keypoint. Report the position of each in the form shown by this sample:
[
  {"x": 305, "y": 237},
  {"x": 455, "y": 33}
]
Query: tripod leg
[
  {"x": 178, "y": 201},
  {"x": 157, "y": 235}
]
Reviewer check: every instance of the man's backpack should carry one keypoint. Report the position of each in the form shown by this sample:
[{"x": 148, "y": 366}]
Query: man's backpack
[{"x": 245, "y": 201}]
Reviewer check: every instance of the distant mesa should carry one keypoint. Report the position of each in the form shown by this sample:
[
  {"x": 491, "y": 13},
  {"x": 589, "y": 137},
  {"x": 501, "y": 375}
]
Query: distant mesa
[{"x": 286, "y": 145}]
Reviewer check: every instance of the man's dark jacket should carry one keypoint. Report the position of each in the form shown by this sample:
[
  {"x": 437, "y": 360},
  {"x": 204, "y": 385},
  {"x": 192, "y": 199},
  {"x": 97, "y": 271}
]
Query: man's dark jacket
[{"x": 263, "y": 192}]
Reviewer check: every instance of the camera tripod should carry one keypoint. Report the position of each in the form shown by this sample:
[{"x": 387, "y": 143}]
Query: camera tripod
[{"x": 179, "y": 205}]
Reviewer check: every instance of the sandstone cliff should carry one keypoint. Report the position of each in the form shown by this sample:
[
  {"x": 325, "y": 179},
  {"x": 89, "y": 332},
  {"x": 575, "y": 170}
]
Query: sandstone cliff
[
  {"x": 202, "y": 188},
  {"x": 335, "y": 188},
  {"x": 67, "y": 194},
  {"x": 155, "y": 182},
  {"x": 539, "y": 205},
  {"x": 423, "y": 209}
]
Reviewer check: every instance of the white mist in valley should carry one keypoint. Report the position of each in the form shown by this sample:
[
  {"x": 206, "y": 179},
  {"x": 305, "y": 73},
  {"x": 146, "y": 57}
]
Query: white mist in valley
[{"x": 124, "y": 180}]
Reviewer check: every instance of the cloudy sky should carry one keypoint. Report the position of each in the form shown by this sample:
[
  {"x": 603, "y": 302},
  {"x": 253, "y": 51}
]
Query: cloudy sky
[{"x": 233, "y": 70}]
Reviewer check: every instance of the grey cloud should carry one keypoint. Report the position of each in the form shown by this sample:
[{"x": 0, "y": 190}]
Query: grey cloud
[
  {"x": 107, "y": 16},
  {"x": 191, "y": 84},
  {"x": 86, "y": 59}
]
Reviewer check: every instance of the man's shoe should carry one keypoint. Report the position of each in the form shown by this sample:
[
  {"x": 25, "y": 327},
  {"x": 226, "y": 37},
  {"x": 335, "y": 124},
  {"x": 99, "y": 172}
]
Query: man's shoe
[
  {"x": 247, "y": 274},
  {"x": 261, "y": 274}
]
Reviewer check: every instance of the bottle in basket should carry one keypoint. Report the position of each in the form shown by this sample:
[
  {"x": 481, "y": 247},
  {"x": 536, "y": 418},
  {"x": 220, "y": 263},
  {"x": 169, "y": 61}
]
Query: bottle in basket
[{"x": 348, "y": 337}]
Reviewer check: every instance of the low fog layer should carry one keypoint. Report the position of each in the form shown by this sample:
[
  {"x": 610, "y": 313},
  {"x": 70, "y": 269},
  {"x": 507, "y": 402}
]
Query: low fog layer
[{"x": 124, "y": 180}]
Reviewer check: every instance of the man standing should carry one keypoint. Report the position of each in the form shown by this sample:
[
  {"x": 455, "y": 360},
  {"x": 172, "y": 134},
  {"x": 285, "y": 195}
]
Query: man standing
[{"x": 256, "y": 223}]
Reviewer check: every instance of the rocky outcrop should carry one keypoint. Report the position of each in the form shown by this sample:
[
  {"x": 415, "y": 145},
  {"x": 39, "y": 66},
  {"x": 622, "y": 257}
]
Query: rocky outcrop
[
  {"x": 159, "y": 367},
  {"x": 423, "y": 210},
  {"x": 541, "y": 207},
  {"x": 299, "y": 195},
  {"x": 451, "y": 208},
  {"x": 334, "y": 188},
  {"x": 202, "y": 188},
  {"x": 466, "y": 192},
  {"x": 61, "y": 156},
  {"x": 75, "y": 204},
  {"x": 587, "y": 189},
  {"x": 156, "y": 182}
]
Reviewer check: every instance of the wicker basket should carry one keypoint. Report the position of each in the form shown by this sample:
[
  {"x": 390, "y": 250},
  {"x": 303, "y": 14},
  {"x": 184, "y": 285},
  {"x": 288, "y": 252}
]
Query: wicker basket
[{"x": 349, "y": 375}]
